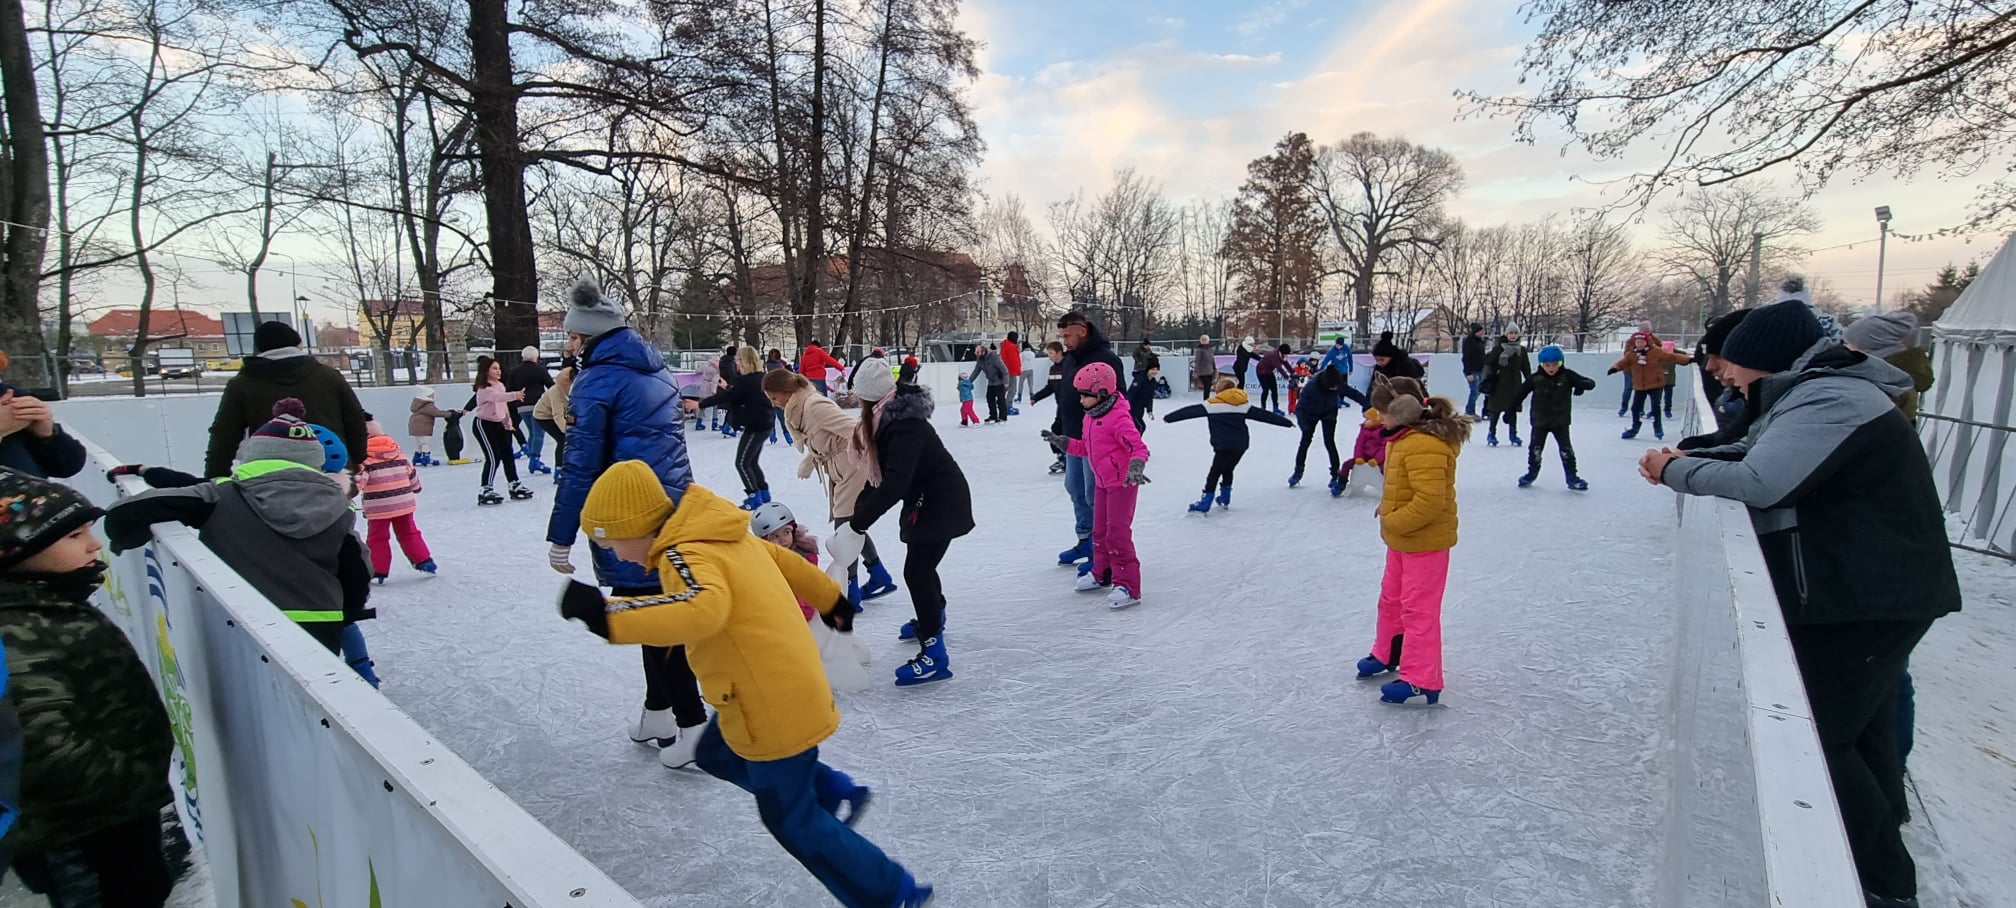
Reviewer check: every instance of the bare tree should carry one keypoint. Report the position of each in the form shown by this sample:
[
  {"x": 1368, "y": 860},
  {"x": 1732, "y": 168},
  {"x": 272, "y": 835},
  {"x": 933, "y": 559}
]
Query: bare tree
[
  {"x": 1600, "y": 270},
  {"x": 1114, "y": 254},
  {"x": 24, "y": 201},
  {"x": 1380, "y": 195},
  {"x": 1710, "y": 234}
]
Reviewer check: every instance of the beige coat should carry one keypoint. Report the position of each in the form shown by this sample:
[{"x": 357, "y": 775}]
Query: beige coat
[
  {"x": 825, "y": 433},
  {"x": 553, "y": 404}
]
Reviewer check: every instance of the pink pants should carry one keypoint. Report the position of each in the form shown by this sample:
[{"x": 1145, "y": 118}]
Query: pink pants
[
  {"x": 1113, "y": 536},
  {"x": 381, "y": 548},
  {"x": 966, "y": 413},
  {"x": 1410, "y": 604}
]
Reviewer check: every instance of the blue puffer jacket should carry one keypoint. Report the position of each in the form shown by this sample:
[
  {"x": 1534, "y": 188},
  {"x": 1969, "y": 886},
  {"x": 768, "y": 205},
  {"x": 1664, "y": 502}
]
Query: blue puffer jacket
[
  {"x": 625, "y": 407},
  {"x": 1338, "y": 356}
]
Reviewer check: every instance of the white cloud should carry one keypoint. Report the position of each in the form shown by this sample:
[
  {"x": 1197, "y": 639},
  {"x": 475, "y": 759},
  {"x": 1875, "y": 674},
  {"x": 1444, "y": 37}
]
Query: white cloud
[{"x": 1269, "y": 17}]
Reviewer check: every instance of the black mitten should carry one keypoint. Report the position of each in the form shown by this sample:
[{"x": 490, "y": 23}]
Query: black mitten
[
  {"x": 584, "y": 603},
  {"x": 841, "y": 618}
]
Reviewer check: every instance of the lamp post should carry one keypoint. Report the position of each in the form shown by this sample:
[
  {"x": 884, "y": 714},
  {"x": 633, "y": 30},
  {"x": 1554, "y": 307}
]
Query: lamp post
[
  {"x": 301, "y": 317},
  {"x": 1882, "y": 250}
]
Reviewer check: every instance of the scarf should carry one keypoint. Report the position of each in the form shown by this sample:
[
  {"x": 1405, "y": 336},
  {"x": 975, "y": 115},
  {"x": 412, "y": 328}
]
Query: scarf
[
  {"x": 1104, "y": 406},
  {"x": 863, "y": 448}
]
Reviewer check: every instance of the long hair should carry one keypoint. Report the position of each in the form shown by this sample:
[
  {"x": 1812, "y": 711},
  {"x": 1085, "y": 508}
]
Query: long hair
[
  {"x": 748, "y": 361},
  {"x": 785, "y": 381},
  {"x": 483, "y": 364}
]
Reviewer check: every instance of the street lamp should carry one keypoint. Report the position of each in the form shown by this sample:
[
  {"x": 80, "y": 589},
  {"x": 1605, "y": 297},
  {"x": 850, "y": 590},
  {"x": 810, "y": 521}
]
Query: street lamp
[
  {"x": 1882, "y": 250},
  {"x": 301, "y": 316}
]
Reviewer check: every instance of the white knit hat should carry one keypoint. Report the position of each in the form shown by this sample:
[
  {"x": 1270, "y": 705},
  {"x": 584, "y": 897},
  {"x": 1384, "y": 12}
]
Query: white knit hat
[{"x": 873, "y": 380}]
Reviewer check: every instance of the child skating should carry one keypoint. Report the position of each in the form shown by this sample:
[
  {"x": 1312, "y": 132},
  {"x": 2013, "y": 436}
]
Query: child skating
[
  {"x": 1228, "y": 411},
  {"x": 1055, "y": 435},
  {"x": 846, "y": 659},
  {"x": 493, "y": 432},
  {"x": 391, "y": 488},
  {"x": 729, "y": 598},
  {"x": 420, "y": 426},
  {"x": 967, "y": 416},
  {"x": 1369, "y": 450},
  {"x": 1417, "y": 520},
  {"x": 1118, "y": 458},
  {"x": 1554, "y": 389}
]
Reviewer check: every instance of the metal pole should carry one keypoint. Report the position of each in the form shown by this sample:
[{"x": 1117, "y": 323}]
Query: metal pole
[
  {"x": 1756, "y": 269},
  {"x": 1882, "y": 253}
]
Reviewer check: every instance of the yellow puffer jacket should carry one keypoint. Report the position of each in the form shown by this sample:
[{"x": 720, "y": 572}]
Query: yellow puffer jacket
[
  {"x": 732, "y": 600},
  {"x": 1418, "y": 511}
]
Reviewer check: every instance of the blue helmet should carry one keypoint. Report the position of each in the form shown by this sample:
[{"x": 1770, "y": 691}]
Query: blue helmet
[
  {"x": 1551, "y": 354},
  {"x": 335, "y": 454}
]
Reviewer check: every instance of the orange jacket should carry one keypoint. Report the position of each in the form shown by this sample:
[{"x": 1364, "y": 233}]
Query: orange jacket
[{"x": 1645, "y": 360}]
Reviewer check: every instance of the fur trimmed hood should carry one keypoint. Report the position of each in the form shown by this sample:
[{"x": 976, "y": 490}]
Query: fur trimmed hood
[{"x": 1438, "y": 418}]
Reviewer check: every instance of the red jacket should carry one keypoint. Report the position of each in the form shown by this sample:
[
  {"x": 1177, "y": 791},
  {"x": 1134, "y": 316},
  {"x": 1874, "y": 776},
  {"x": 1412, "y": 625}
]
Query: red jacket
[
  {"x": 1011, "y": 353},
  {"x": 815, "y": 362}
]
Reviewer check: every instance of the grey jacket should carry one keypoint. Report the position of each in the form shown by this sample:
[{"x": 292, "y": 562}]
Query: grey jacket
[
  {"x": 994, "y": 367},
  {"x": 1840, "y": 492},
  {"x": 1204, "y": 361}
]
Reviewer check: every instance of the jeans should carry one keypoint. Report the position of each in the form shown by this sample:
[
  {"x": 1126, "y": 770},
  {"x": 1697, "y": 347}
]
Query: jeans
[
  {"x": 1625, "y": 403},
  {"x": 820, "y": 385},
  {"x": 788, "y": 800},
  {"x": 1539, "y": 445},
  {"x": 1666, "y": 399},
  {"x": 1309, "y": 427},
  {"x": 1410, "y": 609},
  {"x": 1078, "y": 481},
  {"x": 777, "y": 425},
  {"x": 357, "y": 654},
  {"x": 1470, "y": 406},
  {"x": 1113, "y": 537},
  {"x": 535, "y": 434},
  {"x": 377, "y": 538},
  {"x": 1852, "y": 673}
]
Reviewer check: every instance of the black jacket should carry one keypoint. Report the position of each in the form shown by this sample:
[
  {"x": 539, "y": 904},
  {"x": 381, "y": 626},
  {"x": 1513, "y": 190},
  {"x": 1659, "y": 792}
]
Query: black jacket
[
  {"x": 1227, "y": 414},
  {"x": 748, "y": 409},
  {"x": 1146, "y": 359},
  {"x": 531, "y": 378},
  {"x": 917, "y": 473},
  {"x": 1050, "y": 389},
  {"x": 1404, "y": 366},
  {"x": 1473, "y": 354},
  {"x": 1553, "y": 396},
  {"x": 57, "y": 457},
  {"x": 1095, "y": 349},
  {"x": 1242, "y": 360},
  {"x": 1321, "y": 396},
  {"x": 262, "y": 382}
]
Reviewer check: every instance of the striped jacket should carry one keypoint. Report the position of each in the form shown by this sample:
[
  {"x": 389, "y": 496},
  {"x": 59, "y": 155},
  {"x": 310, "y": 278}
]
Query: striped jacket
[{"x": 390, "y": 485}]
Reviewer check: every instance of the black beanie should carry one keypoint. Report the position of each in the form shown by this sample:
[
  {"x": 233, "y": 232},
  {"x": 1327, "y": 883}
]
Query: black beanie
[
  {"x": 1772, "y": 338},
  {"x": 1719, "y": 330},
  {"x": 1386, "y": 347},
  {"x": 273, "y": 336}
]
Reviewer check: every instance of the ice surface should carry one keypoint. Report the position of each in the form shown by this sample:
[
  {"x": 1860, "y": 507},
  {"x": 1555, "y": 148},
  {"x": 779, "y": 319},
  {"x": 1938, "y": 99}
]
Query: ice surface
[{"x": 1209, "y": 747}]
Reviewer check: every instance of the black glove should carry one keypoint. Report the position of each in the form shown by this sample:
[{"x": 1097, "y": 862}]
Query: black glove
[
  {"x": 584, "y": 603},
  {"x": 1578, "y": 392},
  {"x": 841, "y": 618},
  {"x": 1613, "y": 371},
  {"x": 124, "y": 469}
]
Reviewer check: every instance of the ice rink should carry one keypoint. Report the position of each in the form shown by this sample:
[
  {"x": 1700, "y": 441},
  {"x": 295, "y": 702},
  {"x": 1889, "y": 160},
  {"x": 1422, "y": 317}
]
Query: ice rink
[{"x": 1210, "y": 747}]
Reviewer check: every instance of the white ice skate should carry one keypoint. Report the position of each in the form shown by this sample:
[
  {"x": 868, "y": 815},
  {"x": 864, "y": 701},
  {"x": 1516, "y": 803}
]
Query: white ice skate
[
  {"x": 655, "y": 727},
  {"x": 1086, "y": 583},
  {"x": 1120, "y": 598},
  {"x": 682, "y": 751}
]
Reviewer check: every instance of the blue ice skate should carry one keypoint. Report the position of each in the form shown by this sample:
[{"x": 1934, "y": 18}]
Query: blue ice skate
[
  {"x": 1225, "y": 496},
  {"x": 880, "y": 584},
  {"x": 1527, "y": 479},
  {"x": 1630, "y": 433},
  {"x": 1576, "y": 483},
  {"x": 535, "y": 465},
  {"x": 427, "y": 567},
  {"x": 912, "y": 894},
  {"x": 931, "y": 664},
  {"x": 1337, "y": 482},
  {"x": 1518, "y": 442},
  {"x": 1203, "y": 505},
  {"x": 908, "y": 631},
  {"x": 1401, "y": 692},
  {"x": 1370, "y": 667},
  {"x": 1080, "y": 552},
  {"x": 1491, "y": 439},
  {"x": 1295, "y": 480},
  {"x": 836, "y": 790}
]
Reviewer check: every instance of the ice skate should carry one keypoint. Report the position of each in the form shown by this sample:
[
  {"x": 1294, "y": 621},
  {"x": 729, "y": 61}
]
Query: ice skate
[
  {"x": 378, "y": 579},
  {"x": 683, "y": 749},
  {"x": 427, "y": 567},
  {"x": 1295, "y": 480},
  {"x": 1491, "y": 438},
  {"x": 1075, "y": 554},
  {"x": 520, "y": 493},
  {"x": 1630, "y": 433},
  {"x": 535, "y": 465},
  {"x": 1086, "y": 583},
  {"x": 655, "y": 727},
  {"x": 1337, "y": 483},
  {"x": 1120, "y": 598},
  {"x": 488, "y": 497},
  {"x": 1575, "y": 482},
  {"x": 752, "y": 502},
  {"x": 1527, "y": 479},
  {"x": 1401, "y": 691},
  {"x": 912, "y": 894},
  {"x": 1659, "y": 434},
  {"x": 1518, "y": 442},
  {"x": 836, "y": 790},
  {"x": 1370, "y": 667},
  {"x": 1057, "y": 468},
  {"x": 931, "y": 664},
  {"x": 908, "y": 631},
  {"x": 1225, "y": 496},
  {"x": 880, "y": 584},
  {"x": 1203, "y": 505}
]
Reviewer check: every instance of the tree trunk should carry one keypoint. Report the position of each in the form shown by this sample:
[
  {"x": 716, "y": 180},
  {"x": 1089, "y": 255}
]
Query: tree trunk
[
  {"x": 815, "y": 205},
  {"x": 861, "y": 217},
  {"x": 514, "y": 275},
  {"x": 26, "y": 184}
]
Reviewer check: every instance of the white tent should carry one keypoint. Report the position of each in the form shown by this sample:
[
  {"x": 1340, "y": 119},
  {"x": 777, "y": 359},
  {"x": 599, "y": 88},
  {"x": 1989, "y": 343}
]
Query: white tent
[{"x": 1966, "y": 418}]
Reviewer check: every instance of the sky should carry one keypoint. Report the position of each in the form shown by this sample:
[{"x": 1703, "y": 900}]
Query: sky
[{"x": 1188, "y": 92}]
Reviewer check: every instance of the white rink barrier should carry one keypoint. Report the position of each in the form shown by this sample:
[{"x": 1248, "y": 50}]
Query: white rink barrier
[
  {"x": 302, "y": 784},
  {"x": 1748, "y": 779}
]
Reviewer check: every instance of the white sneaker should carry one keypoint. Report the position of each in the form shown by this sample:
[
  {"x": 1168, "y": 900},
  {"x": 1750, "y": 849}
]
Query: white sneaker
[
  {"x": 654, "y": 727},
  {"x": 1120, "y": 598},
  {"x": 684, "y": 750},
  {"x": 1086, "y": 583}
]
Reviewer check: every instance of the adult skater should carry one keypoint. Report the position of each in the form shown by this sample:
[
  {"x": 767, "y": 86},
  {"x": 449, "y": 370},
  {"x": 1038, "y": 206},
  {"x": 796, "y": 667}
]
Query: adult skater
[
  {"x": 1084, "y": 344},
  {"x": 1145, "y": 358},
  {"x": 814, "y": 363},
  {"x": 1850, "y": 524},
  {"x": 1473, "y": 365},
  {"x": 1318, "y": 410},
  {"x": 625, "y": 407},
  {"x": 531, "y": 380},
  {"x": 1242, "y": 360},
  {"x": 1505, "y": 372},
  {"x": 1011, "y": 356},
  {"x": 749, "y": 412},
  {"x": 1204, "y": 366},
  {"x": 278, "y": 369},
  {"x": 826, "y": 434},
  {"x": 1391, "y": 361},
  {"x": 907, "y": 465},
  {"x": 1339, "y": 359},
  {"x": 1272, "y": 368},
  {"x": 990, "y": 366}
]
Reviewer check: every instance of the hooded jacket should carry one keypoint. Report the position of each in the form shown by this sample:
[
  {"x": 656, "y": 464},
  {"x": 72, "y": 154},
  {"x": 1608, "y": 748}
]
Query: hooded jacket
[
  {"x": 1227, "y": 413},
  {"x": 1417, "y": 511},
  {"x": 1112, "y": 442},
  {"x": 625, "y": 407},
  {"x": 1321, "y": 396},
  {"x": 814, "y": 362},
  {"x": 95, "y": 739},
  {"x": 264, "y": 380},
  {"x": 966, "y": 388},
  {"x": 1011, "y": 356},
  {"x": 731, "y": 599},
  {"x": 1338, "y": 357},
  {"x": 1647, "y": 362},
  {"x": 908, "y": 466},
  {"x": 421, "y": 423},
  {"x": 1839, "y": 489},
  {"x": 1917, "y": 363},
  {"x": 1553, "y": 396},
  {"x": 825, "y": 433},
  {"x": 1095, "y": 349},
  {"x": 390, "y": 485}
]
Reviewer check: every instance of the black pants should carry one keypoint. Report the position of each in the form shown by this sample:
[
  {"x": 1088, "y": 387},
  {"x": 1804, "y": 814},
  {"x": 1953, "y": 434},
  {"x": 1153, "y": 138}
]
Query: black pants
[
  {"x": 1642, "y": 401},
  {"x": 1270, "y": 390},
  {"x": 1309, "y": 426},
  {"x": 1239, "y": 375},
  {"x": 120, "y": 866},
  {"x": 559, "y": 437},
  {"x": 997, "y": 402},
  {"x": 1511, "y": 418},
  {"x": 1222, "y": 465},
  {"x": 1851, "y": 673},
  {"x": 920, "y": 570},
  {"x": 749, "y": 460},
  {"x": 495, "y": 440},
  {"x": 668, "y": 680},
  {"x": 1539, "y": 444},
  {"x": 1666, "y": 399}
]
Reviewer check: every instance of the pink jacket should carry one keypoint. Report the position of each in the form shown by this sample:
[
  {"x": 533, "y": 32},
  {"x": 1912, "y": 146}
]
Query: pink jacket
[
  {"x": 1371, "y": 446},
  {"x": 390, "y": 485},
  {"x": 1111, "y": 442},
  {"x": 493, "y": 403}
]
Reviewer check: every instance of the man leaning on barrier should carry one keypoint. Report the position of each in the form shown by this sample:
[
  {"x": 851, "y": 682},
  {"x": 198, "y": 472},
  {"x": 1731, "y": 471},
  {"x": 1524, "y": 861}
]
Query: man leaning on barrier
[{"x": 1850, "y": 527}]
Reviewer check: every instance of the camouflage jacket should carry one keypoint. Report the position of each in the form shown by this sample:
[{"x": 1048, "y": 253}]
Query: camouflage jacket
[{"x": 95, "y": 738}]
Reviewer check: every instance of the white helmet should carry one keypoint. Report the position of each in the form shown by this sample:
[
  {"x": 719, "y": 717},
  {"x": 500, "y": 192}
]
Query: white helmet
[{"x": 770, "y": 517}]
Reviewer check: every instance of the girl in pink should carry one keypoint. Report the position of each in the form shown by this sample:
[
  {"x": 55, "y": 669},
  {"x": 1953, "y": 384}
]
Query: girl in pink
[
  {"x": 391, "y": 490},
  {"x": 1118, "y": 458},
  {"x": 492, "y": 406},
  {"x": 1417, "y": 521}
]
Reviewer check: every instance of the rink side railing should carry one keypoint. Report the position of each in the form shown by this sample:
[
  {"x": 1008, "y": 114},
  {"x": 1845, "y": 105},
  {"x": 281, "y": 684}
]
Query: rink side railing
[
  {"x": 1748, "y": 777},
  {"x": 301, "y": 783}
]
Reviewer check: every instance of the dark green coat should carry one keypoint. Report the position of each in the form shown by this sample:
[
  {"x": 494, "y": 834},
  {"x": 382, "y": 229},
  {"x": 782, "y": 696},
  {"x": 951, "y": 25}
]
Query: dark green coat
[
  {"x": 264, "y": 381},
  {"x": 95, "y": 738}
]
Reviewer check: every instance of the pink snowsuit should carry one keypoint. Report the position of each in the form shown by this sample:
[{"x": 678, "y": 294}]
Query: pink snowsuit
[
  {"x": 1371, "y": 445},
  {"x": 1111, "y": 442}
]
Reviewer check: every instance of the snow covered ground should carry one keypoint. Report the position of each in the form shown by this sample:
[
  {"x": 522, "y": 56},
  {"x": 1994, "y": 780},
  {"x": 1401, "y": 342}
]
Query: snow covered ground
[{"x": 1210, "y": 747}]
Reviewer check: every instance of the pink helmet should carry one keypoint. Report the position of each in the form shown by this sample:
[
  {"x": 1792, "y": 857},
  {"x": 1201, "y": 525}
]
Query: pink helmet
[{"x": 1096, "y": 378}]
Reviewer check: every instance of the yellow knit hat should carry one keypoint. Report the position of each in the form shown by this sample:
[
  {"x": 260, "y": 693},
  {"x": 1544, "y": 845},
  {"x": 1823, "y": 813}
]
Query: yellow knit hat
[{"x": 626, "y": 503}]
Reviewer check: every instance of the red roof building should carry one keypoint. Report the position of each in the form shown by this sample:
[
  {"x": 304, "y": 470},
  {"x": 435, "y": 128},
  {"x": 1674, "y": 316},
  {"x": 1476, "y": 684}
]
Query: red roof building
[{"x": 125, "y": 323}]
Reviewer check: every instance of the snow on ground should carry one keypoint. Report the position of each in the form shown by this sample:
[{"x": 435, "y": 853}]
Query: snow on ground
[{"x": 1209, "y": 747}]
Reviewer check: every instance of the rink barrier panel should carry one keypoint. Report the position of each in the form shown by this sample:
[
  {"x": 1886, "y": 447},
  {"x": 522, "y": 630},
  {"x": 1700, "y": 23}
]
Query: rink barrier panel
[
  {"x": 302, "y": 784},
  {"x": 1784, "y": 808}
]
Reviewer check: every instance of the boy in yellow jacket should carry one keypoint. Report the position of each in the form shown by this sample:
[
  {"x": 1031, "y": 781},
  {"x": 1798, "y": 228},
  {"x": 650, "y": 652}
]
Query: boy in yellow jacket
[{"x": 731, "y": 599}]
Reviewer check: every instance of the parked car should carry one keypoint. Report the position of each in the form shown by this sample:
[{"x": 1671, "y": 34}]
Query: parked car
[{"x": 183, "y": 370}]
